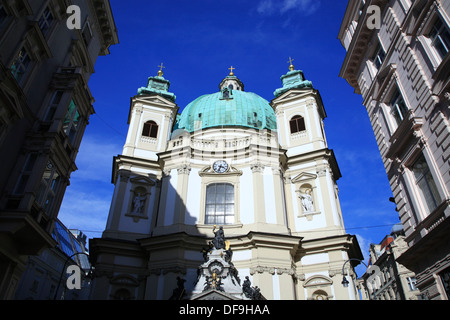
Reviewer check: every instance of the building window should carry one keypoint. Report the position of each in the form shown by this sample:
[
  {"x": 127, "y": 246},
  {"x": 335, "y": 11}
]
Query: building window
[
  {"x": 378, "y": 56},
  {"x": 87, "y": 33},
  {"x": 445, "y": 278},
  {"x": 71, "y": 122},
  {"x": 20, "y": 65},
  {"x": 219, "y": 204},
  {"x": 398, "y": 107},
  {"x": 48, "y": 187},
  {"x": 150, "y": 129},
  {"x": 56, "y": 99},
  {"x": 411, "y": 283},
  {"x": 297, "y": 124},
  {"x": 425, "y": 184},
  {"x": 440, "y": 38},
  {"x": 45, "y": 21},
  {"x": 25, "y": 174},
  {"x": 3, "y": 15}
]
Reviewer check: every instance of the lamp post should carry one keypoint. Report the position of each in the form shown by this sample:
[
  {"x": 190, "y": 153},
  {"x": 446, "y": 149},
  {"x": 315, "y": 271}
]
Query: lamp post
[{"x": 345, "y": 282}]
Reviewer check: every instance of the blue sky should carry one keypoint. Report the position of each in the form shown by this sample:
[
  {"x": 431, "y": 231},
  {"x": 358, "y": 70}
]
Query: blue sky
[{"x": 198, "y": 41}]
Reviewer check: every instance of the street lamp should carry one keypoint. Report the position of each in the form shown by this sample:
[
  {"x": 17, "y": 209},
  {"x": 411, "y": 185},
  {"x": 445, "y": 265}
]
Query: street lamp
[{"x": 345, "y": 282}]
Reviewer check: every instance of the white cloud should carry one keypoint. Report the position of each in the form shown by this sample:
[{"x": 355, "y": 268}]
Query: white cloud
[
  {"x": 265, "y": 7},
  {"x": 307, "y": 7},
  {"x": 94, "y": 160}
]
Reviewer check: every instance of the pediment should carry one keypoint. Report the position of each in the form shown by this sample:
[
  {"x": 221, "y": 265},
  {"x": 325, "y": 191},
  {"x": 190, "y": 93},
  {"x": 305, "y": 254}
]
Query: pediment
[
  {"x": 383, "y": 84},
  {"x": 208, "y": 171},
  {"x": 318, "y": 281},
  {"x": 303, "y": 177},
  {"x": 124, "y": 280},
  {"x": 142, "y": 180},
  {"x": 213, "y": 295},
  {"x": 294, "y": 94},
  {"x": 153, "y": 99}
]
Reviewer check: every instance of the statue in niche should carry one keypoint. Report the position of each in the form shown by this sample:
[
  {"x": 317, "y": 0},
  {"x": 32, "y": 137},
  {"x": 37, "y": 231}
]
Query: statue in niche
[
  {"x": 307, "y": 201},
  {"x": 138, "y": 203}
]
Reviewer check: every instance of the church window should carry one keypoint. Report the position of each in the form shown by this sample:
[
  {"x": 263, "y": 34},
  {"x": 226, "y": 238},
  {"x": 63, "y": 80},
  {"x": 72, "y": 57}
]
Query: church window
[
  {"x": 150, "y": 129},
  {"x": 122, "y": 294},
  {"x": 297, "y": 124},
  {"x": 219, "y": 204},
  {"x": 226, "y": 94},
  {"x": 425, "y": 183},
  {"x": 320, "y": 295}
]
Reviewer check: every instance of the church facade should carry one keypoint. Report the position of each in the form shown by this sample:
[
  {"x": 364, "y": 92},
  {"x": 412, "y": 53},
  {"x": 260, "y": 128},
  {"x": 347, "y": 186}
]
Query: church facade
[{"x": 259, "y": 171}]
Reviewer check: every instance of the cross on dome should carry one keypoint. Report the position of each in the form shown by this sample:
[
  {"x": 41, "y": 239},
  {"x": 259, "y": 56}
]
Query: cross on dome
[{"x": 231, "y": 71}]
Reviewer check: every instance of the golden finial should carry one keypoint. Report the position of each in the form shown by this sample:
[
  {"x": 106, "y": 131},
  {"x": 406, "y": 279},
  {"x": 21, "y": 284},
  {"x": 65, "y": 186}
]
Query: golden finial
[
  {"x": 160, "y": 72},
  {"x": 291, "y": 66},
  {"x": 231, "y": 71}
]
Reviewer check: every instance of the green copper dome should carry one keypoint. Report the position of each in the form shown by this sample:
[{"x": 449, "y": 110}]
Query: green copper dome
[{"x": 228, "y": 108}]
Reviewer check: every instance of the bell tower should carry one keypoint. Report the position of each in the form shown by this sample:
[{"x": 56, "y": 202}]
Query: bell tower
[
  {"x": 312, "y": 170},
  {"x": 151, "y": 118},
  {"x": 136, "y": 173}
]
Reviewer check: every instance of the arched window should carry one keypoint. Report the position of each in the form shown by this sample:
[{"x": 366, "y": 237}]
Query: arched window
[
  {"x": 219, "y": 204},
  {"x": 297, "y": 124},
  {"x": 150, "y": 129}
]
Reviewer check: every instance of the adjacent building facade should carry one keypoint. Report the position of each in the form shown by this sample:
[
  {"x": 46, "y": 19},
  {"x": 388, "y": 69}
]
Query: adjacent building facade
[
  {"x": 45, "y": 104},
  {"x": 402, "y": 70},
  {"x": 46, "y": 275},
  {"x": 260, "y": 172},
  {"x": 387, "y": 279}
]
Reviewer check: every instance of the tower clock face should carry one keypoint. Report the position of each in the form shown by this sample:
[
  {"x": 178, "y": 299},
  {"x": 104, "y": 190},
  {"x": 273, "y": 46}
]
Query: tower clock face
[{"x": 220, "y": 166}]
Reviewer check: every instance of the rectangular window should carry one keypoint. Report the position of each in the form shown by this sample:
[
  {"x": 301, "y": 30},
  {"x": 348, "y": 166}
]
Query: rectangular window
[
  {"x": 25, "y": 174},
  {"x": 445, "y": 278},
  {"x": 3, "y": 15},
  {"x": 71, "y": 122},
  {"x": 56, "y": 99},
  {"x": 425, "y": 184},
  {"x": 398, "y": 107},
  {"x": 48, "y": 187},
  {"x": 20, "y": 65},
  {"x": 440, "y": 38},
  {"x": 219, "y": 204},
  {"x": 45, "y": 21},
  {"x": 411, "y": 283},
  {"x": 378, "y": 56},
  {"x": 87, "y": 33}
]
